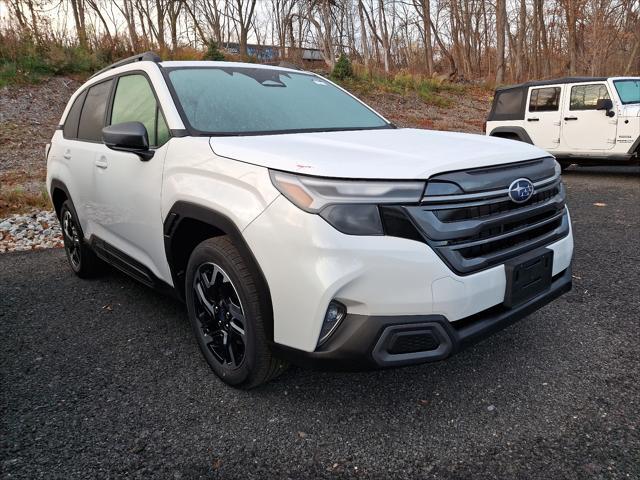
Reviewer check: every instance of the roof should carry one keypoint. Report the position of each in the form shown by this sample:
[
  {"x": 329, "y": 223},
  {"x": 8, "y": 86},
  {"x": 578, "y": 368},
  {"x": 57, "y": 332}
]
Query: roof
[
  {"x": 555, "y": 81},
  {"x": 223, "y": 64},
  {"x": 153, "y": 57}
]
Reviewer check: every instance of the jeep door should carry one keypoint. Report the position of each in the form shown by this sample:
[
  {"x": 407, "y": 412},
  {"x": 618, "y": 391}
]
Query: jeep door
[
  {"x": 585, "y": 129},
  {"x": 543, "y": 116},
  {"x": 128, "y": 188}
]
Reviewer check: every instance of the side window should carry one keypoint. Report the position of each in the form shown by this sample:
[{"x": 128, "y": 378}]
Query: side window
[
  {"x": 585, "y": 97},
  {"x": 544, "y": 99},
  {"x": 92, "y": 116},
  {"x": 509, "y": 104},
  {"x": 134, "y": 101},
  {"x": 70, "y": 130}
]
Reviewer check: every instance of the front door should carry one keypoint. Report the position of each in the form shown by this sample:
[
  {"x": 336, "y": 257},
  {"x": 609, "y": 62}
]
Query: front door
[
  {"x": 128, "y": 189},
  {"x": 583, "y": 127},
  {"x": 543, "y": 116}
]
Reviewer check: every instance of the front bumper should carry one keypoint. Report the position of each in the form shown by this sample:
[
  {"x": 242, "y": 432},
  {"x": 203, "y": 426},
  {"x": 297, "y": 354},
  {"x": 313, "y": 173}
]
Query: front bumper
[
  {"x": 368, "y": 342},
  {"x": 307, "y": 263}
]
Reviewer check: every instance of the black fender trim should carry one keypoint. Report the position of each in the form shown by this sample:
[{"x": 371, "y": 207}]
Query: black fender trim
[
  {"x": 635, "y": 148},
  {"x": 181, "y": 211},
  {"x": 59, "y": 185},
  {"x": 519, "y": 131}
]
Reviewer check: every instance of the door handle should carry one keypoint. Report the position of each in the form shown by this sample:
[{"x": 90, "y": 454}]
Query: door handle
[
  {"x": 102, "y": 163},
  {"x": 570, "y": 118},
  {"x": 533, "y": 119}
]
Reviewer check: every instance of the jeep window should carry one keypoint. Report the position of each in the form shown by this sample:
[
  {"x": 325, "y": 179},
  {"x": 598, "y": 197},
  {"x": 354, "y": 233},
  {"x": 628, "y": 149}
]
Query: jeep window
[
  {"x": 70, "y": 130},
  {"x": 585, "y": 97},
  {"x": 544, "y": 99},
  {"x": 508, "y": 104},
  {"x": 246, "y": 101},
  {"x": 92, "y": 116},
  {"x": 628, "y": 90},
  {"x": 134, "y": 101}
]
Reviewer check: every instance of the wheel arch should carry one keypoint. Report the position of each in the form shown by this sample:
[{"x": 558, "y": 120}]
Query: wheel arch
[
  {"x": 186, "y": 225},
  {"x": 506, "y": 132},
  {"x": 59, "y": 194}
]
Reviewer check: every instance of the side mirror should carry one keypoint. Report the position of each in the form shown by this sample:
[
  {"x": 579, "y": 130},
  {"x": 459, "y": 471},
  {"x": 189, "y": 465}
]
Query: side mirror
[
  {"x": 605, "y": 104},
  {"x": 128, "y": 137}
]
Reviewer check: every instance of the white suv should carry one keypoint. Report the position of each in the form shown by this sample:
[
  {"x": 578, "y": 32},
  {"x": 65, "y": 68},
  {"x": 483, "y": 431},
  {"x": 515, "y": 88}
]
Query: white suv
[
  {"x": 579, "y": 120},
  {"x": 298, "y": 224}
]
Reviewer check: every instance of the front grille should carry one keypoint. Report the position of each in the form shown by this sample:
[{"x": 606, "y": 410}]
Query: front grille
[{"x": 481, "y": 227}]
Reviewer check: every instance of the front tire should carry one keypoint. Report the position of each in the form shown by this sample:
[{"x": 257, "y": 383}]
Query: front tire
[
  {"x": 226, "y": 315},
  {"x": 82, "y": 259}
]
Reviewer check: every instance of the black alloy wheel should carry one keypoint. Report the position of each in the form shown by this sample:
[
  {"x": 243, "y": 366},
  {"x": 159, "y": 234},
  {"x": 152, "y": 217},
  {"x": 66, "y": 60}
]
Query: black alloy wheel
[
  {"x": 220, "y": 315},
  {"x": 229, "y": 310},
  {"x": 71, "y": 239},
  {"x": 82, "y": 259}
]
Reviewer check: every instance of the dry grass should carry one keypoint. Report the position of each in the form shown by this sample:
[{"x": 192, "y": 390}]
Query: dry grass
[{"x": 20, "y": 192}]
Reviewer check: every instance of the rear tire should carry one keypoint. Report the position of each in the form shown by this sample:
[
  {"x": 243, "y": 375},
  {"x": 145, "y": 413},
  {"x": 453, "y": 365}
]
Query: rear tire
[
  {"x": 226, "y": 315},
  {"x": 82, "y": 260}
]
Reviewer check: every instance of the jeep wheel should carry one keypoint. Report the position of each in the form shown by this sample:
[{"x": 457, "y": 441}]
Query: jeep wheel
[
  {"x": 82, "y": 259},
  {"x": 564, "y": 165},
  {"x": 226, "y": 316}
]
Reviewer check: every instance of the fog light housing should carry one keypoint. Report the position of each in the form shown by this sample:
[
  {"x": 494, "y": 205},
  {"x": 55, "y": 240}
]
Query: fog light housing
[{"x": 335, "y": 314}]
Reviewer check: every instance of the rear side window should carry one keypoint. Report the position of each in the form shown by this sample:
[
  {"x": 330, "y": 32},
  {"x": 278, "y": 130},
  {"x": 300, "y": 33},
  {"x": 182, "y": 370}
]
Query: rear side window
[
  {"x": 134, "y": 101},
  {"x": 70, "y": 129},
  {"x": 509, "y": 105},
  {"x": 585, "y": 97},
  {"x": 544, "y": 99},
  {"x": 92, "y": 117}
]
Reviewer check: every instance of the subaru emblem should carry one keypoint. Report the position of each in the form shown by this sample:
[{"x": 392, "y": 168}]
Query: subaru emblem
[{"x": 520, "y": 190}]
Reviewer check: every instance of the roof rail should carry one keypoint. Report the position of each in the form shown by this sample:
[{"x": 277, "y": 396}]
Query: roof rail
[{"x": 142, "y": 57}]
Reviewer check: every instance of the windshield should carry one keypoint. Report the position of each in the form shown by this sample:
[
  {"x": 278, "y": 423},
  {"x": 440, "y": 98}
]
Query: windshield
[
  {"x": 245, "y": 101},
  {"x": 628, "y": 90}
]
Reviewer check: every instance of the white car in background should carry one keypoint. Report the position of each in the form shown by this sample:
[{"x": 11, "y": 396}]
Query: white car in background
[
  {"x": 297, "y": 223},
  {"x": 579, "y": 120}
]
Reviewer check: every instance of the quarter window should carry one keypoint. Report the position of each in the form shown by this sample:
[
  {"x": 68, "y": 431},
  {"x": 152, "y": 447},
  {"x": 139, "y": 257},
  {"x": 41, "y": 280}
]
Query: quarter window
[
  {"x": 509, "y": 104},
  {"x": 585, "y": 97},
  {"x": 92, "y": 116},
  {"x": 70, "y": 129},
  {"x": 134, "y": 101},
  {"x": 544, "y": 99}
]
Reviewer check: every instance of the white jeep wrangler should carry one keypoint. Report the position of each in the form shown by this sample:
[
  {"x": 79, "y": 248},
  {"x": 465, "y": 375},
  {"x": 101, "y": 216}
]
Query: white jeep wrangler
[
  {"x": 578, "y": 120},
  {"x": 298, "y": 224}
]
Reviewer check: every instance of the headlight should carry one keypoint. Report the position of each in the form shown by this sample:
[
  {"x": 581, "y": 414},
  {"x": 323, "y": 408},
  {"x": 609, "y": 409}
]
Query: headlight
[{"x": 351, "y": 206}]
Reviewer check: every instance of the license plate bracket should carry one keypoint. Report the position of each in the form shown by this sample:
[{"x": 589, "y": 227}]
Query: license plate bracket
[{"x": 528, "y": 276}]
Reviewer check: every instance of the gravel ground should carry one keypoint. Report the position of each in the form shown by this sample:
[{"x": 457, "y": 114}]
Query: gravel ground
[
  {"x": 102, "y": 379},
  {"x": 33, "y": 231}
]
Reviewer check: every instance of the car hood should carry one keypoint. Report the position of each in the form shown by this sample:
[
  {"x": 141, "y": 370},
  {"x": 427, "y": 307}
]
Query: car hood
[{"x": 368, "y": 154}]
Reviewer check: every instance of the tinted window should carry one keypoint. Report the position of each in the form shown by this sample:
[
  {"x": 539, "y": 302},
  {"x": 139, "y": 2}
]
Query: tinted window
[
  {"x": 585, "y": 97},
  {"x": 73, "y": 117},
  {"x": 134, "y": 101},
  {"x": 628, "y": 90},
  {"x": 544, "y": 99},
  {"x": 508, "y": 105},
  {"x": 237, "y": 100},
  {"x": 92, "y": 117}
]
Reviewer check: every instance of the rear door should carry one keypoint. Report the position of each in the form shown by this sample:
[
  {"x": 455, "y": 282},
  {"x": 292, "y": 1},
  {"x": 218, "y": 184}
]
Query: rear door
[
  {"x": 82, "y": 134},
  {"x": 543, "y": 116},
  {"x": 128, "y": 189},
  {"x": 585, "y": 129}
]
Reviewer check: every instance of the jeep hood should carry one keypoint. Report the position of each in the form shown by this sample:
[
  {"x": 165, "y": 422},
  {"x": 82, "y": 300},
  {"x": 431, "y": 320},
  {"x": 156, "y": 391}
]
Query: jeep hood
[{"x": 382, "y": 154}]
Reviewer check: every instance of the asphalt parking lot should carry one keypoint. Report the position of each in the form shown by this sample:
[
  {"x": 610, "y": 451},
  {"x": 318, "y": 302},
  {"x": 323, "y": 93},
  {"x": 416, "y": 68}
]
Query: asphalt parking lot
[{"x": 102, "y": 379}]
